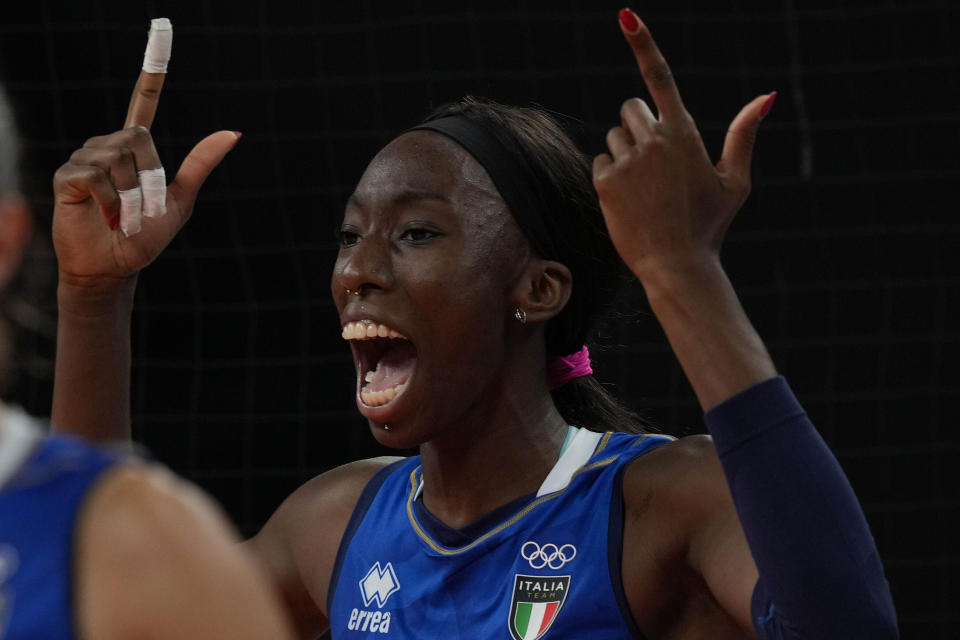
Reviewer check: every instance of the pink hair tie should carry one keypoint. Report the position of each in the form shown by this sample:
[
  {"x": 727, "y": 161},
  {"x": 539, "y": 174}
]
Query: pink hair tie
[{"x": 566, "y": 368}]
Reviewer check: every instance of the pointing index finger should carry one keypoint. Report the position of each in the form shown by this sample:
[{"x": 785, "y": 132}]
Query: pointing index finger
[
  {"x": 146, "y": 94},
  {"x": 656, "y": 72}
]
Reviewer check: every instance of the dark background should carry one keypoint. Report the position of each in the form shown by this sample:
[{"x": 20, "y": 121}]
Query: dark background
[{"x": 845, "y": 255}]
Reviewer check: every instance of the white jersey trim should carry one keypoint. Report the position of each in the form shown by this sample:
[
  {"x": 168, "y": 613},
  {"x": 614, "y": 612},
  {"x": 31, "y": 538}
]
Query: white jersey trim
[
  {"x": 582, "y": 445},
  {"x": 19, "y": 436}
]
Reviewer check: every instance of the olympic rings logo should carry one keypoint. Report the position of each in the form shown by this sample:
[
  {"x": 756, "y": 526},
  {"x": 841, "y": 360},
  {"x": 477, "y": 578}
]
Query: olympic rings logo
[{"x": 549, "y": 555}]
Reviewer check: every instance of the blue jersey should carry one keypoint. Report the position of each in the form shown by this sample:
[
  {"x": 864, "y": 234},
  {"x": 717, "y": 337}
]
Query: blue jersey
[
  {"x": 547, "y": 565},
  {"x": 43, "y": 483}
]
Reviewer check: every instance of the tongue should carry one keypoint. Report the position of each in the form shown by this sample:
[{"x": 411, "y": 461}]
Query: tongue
[{"x": 393, "y": 368}]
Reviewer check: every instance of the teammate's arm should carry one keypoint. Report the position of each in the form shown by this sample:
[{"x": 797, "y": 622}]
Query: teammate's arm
[
  {"x": 154, "y": 560},
  {"x": 668, "y": 208}
]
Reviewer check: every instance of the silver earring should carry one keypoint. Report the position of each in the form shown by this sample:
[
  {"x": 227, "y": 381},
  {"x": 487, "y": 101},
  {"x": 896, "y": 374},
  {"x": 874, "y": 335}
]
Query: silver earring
[
  {"x": 386, "y": 427},
  {"x": 520, "y": 315}
]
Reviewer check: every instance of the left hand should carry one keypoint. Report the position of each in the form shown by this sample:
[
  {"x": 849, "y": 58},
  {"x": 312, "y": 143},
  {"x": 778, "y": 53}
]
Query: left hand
[{"x": 666, "y": 204}]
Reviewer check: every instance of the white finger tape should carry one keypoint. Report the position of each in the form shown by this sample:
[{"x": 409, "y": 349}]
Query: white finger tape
[
  {"x": 131, "y": 210},
  {"x": 153, "y": 182},
  {"x": 159, "y": 46}
]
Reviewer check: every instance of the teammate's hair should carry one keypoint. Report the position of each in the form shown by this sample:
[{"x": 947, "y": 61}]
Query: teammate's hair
[
  {"x": 9, "y": 185},
  {"x": 9, "y": 148},
  {"x": 567, "y": 202},
  {"x": 20, "y": 299}
]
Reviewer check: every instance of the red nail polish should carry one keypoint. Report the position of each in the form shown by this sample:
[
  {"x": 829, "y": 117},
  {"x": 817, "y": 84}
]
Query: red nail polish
[
  {"x": 768, "y": 105},
  {"x": 629, "y": 21}
]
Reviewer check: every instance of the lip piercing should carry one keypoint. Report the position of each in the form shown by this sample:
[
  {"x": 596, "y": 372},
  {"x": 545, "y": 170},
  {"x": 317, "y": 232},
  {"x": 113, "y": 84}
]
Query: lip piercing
[
  {"x": 352, "y": 292},
  {"x": 386, "y": 427}
]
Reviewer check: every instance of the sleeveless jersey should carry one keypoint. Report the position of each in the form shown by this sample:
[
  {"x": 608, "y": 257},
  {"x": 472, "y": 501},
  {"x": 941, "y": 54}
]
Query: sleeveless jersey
[
  {"x": 43, "y": 483},
  {"x": 545, "y": 566}
]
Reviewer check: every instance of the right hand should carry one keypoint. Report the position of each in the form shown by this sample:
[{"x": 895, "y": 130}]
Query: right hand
[{"x": 91, "y": 250}]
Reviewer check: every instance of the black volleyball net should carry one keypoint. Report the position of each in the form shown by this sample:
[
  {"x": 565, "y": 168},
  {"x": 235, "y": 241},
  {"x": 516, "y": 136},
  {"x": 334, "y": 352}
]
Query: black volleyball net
[{"x": 845, "y": 256}]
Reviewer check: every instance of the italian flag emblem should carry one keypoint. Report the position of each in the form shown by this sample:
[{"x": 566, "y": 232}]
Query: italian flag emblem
[{"x": 536, "y": 602}]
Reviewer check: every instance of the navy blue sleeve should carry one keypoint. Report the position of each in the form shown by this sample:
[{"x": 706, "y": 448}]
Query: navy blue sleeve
[{"x": 820, "y": 572}]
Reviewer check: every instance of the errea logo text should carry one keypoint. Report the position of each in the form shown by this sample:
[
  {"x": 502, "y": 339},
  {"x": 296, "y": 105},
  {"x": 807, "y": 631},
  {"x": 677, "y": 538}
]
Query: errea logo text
[{"x": 373, "y": 621}]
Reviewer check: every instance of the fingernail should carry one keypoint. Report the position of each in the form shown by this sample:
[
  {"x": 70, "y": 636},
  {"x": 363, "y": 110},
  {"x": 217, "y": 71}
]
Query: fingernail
[
  {"x": 629, "y": 21},
  {"x": 238, "y": 134},
  {"x": 768, "y": 105}
]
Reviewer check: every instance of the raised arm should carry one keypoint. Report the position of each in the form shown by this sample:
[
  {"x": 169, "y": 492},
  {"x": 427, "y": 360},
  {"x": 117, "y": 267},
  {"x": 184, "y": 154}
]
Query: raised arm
[
  {"x": 670, "y": 231},
  {"x": 668, "y": 208},
  {"x": 113, "y": 216}
]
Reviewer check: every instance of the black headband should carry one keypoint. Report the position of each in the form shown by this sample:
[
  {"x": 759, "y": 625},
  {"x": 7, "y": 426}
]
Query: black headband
[{"x": 510, "y": 175}]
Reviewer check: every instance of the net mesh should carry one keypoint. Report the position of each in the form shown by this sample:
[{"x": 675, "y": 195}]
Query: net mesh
[{"x": 845, "y": 255}]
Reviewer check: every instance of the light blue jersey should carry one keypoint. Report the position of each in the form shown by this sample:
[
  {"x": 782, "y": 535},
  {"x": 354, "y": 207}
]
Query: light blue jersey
[
  {"x": 544, "y": 566},
  {"x": 43, "y": 483}
]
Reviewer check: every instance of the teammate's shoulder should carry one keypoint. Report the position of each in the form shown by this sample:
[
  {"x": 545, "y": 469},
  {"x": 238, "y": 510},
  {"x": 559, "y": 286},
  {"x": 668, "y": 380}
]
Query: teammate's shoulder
[
  {"x": 155, "y": 556},
  {"x": 138, "y": 505},
  {"x": 140, "y": 521}
]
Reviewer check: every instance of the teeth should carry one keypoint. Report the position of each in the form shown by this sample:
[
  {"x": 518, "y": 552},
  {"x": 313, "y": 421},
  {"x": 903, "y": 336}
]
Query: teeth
[
  {"x": 378, "y": 398},
  {"x": 365, "y": 329}
]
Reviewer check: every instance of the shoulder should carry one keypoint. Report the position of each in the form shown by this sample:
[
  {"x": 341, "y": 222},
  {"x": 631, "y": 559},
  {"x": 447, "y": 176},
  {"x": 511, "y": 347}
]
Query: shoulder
[
  {"x": 298, "y": 546},
  {"x": 135, "y": 502},
  {"x": 324, "y": 502},
  {"x": 686, "y": 566},
  {"x": 681, "y": 480},
  {"x": 331, "y": 492},
  {"x": 141, "y": 518},
  {"x": 676, "y": 462},
  {"x": 153, "y": 545},
  {"x": 679, "y": 518}
]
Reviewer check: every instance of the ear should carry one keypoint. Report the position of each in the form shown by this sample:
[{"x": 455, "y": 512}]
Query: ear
[
  {"x": 16, "y": 224},
  {"x": 543, "y": 290}
]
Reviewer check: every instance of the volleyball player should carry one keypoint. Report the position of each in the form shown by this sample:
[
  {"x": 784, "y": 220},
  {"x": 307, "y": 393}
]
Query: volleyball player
[
  {"x": 97, "y": 545},
  {"x": 473, "y": 265}
]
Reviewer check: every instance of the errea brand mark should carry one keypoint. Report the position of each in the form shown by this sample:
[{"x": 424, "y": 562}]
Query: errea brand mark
[
  {"x": 378, "y": 585},
  {"x": 376, "y": 588},
  {"x": 373, "y": 621}
]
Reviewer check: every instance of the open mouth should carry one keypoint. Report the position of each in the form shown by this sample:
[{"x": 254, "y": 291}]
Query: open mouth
[{"x": 385, "y": 361}]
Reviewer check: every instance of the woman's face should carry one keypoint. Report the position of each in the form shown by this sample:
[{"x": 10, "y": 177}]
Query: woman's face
[{"x": 435, "y": 255}]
